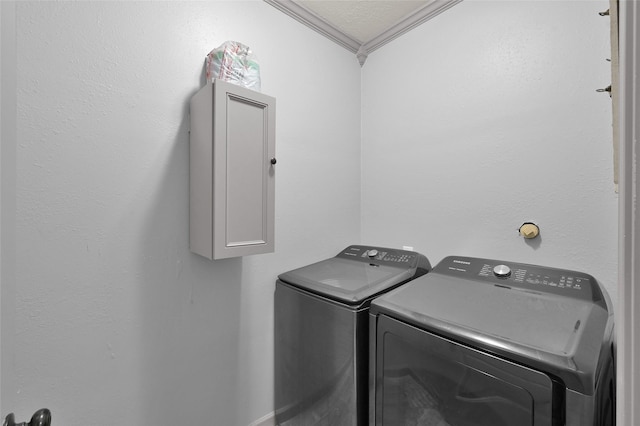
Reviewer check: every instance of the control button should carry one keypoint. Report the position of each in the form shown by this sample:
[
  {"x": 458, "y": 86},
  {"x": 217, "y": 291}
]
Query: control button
[
  {"x": 502, "y": 271},
  {"x": 372, "y": 253}
]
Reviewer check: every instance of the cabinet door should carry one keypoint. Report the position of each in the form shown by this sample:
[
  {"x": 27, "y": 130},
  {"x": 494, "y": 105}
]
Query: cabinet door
[{"x": 232, "y": 175}]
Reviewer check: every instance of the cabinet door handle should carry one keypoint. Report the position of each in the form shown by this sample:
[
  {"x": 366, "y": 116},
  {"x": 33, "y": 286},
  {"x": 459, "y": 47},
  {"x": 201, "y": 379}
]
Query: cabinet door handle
[{"x": 274, "y": 161}]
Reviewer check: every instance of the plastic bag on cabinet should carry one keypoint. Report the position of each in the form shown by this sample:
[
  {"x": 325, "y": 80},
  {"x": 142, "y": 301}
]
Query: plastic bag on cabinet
[{"x": 234, "y": 62}]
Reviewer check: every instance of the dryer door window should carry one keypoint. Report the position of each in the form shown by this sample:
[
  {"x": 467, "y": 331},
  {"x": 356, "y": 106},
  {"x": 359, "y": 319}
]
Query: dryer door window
[{"x": 424, "y": 379}]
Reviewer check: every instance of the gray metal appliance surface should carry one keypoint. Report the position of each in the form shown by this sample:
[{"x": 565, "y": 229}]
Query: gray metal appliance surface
[
  {"x": 321, "y": 333},
  {"x": 489, "y": 343}
]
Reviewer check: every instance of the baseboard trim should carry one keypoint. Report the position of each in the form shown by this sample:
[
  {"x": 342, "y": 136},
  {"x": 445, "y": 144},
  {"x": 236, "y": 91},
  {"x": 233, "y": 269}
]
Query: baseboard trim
[{"x": 266, "y": 420}]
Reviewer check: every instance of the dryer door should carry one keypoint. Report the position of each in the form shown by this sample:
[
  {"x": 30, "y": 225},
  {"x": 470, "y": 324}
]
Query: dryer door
[{"x": 425, "y": 379}]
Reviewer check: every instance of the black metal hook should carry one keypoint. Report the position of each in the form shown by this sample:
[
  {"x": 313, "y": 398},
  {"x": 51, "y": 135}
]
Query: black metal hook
[{"x": 606, "y": 89}]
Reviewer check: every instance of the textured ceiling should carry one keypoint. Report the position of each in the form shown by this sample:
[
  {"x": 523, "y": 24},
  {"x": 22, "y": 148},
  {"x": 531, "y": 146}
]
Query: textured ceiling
[
  {"x": 362, "y": 26},
  {"x": 362, "y": 20}
]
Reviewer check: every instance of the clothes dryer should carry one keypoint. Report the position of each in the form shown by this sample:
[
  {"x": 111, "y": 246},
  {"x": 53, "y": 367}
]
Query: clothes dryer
[{"x": 480, "y": 342}]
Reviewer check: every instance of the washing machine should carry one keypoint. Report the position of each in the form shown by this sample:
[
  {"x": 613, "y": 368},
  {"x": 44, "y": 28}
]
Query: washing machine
[
  {"x": 321, "y": 333},
  {"x": 481, "y": 342}
]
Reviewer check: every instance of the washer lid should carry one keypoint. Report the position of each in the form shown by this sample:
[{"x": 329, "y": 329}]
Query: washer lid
[
  {"x": 560, "y": 332},
  {"x": 358, "y": 273}
]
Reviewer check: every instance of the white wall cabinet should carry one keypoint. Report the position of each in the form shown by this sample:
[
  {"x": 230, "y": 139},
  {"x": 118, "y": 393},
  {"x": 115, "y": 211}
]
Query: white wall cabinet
[{"x": 232, "y": 171}]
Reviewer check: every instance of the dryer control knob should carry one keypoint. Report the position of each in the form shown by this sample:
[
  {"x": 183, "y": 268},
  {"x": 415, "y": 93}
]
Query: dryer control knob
[
  {"x": 502, "y": 271},
  {"x": 372, "y": 253}
]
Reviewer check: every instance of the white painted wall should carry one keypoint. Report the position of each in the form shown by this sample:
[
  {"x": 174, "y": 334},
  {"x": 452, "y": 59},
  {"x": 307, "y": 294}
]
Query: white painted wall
[
  {"x": 483, "y": 118},
  {"x": 116, "y": 322},
  {"x": 487, "y": 117},
  {"x": 7, "y": 192}
]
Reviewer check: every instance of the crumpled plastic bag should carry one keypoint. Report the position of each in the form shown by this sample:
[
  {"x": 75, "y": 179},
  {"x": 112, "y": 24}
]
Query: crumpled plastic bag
[{"x": 234, "y": 62}]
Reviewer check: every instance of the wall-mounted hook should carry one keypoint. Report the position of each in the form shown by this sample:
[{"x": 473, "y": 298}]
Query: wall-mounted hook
[
  {"x": 606, "y": 89},
  {"x": 606, "y": 13}
]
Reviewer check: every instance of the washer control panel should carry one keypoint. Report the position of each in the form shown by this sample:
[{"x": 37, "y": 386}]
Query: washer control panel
[
  {"x": 522, "y": 276},
  {"x": 382, "y": 255}
]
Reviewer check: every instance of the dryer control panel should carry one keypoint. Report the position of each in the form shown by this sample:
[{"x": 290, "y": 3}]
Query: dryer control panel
[{"x": 523, "y": 276}]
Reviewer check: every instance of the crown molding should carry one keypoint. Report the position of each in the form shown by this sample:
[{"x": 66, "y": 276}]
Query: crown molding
[
  {"x": 409, "y": 22},
  {"x": 362, "y": 50},
  {"x": 315, "y": 22}
]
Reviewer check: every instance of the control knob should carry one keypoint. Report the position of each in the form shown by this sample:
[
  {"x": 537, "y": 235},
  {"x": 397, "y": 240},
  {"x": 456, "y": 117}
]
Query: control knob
[
  {"x": 372, "y": 253},
  {"x": 502, "y": 271}
]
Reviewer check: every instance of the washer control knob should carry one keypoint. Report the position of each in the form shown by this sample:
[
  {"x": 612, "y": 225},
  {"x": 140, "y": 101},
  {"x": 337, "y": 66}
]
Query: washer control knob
[
  {"x": 502, "y": 271},
  {"x": 372, "y": 253}
]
